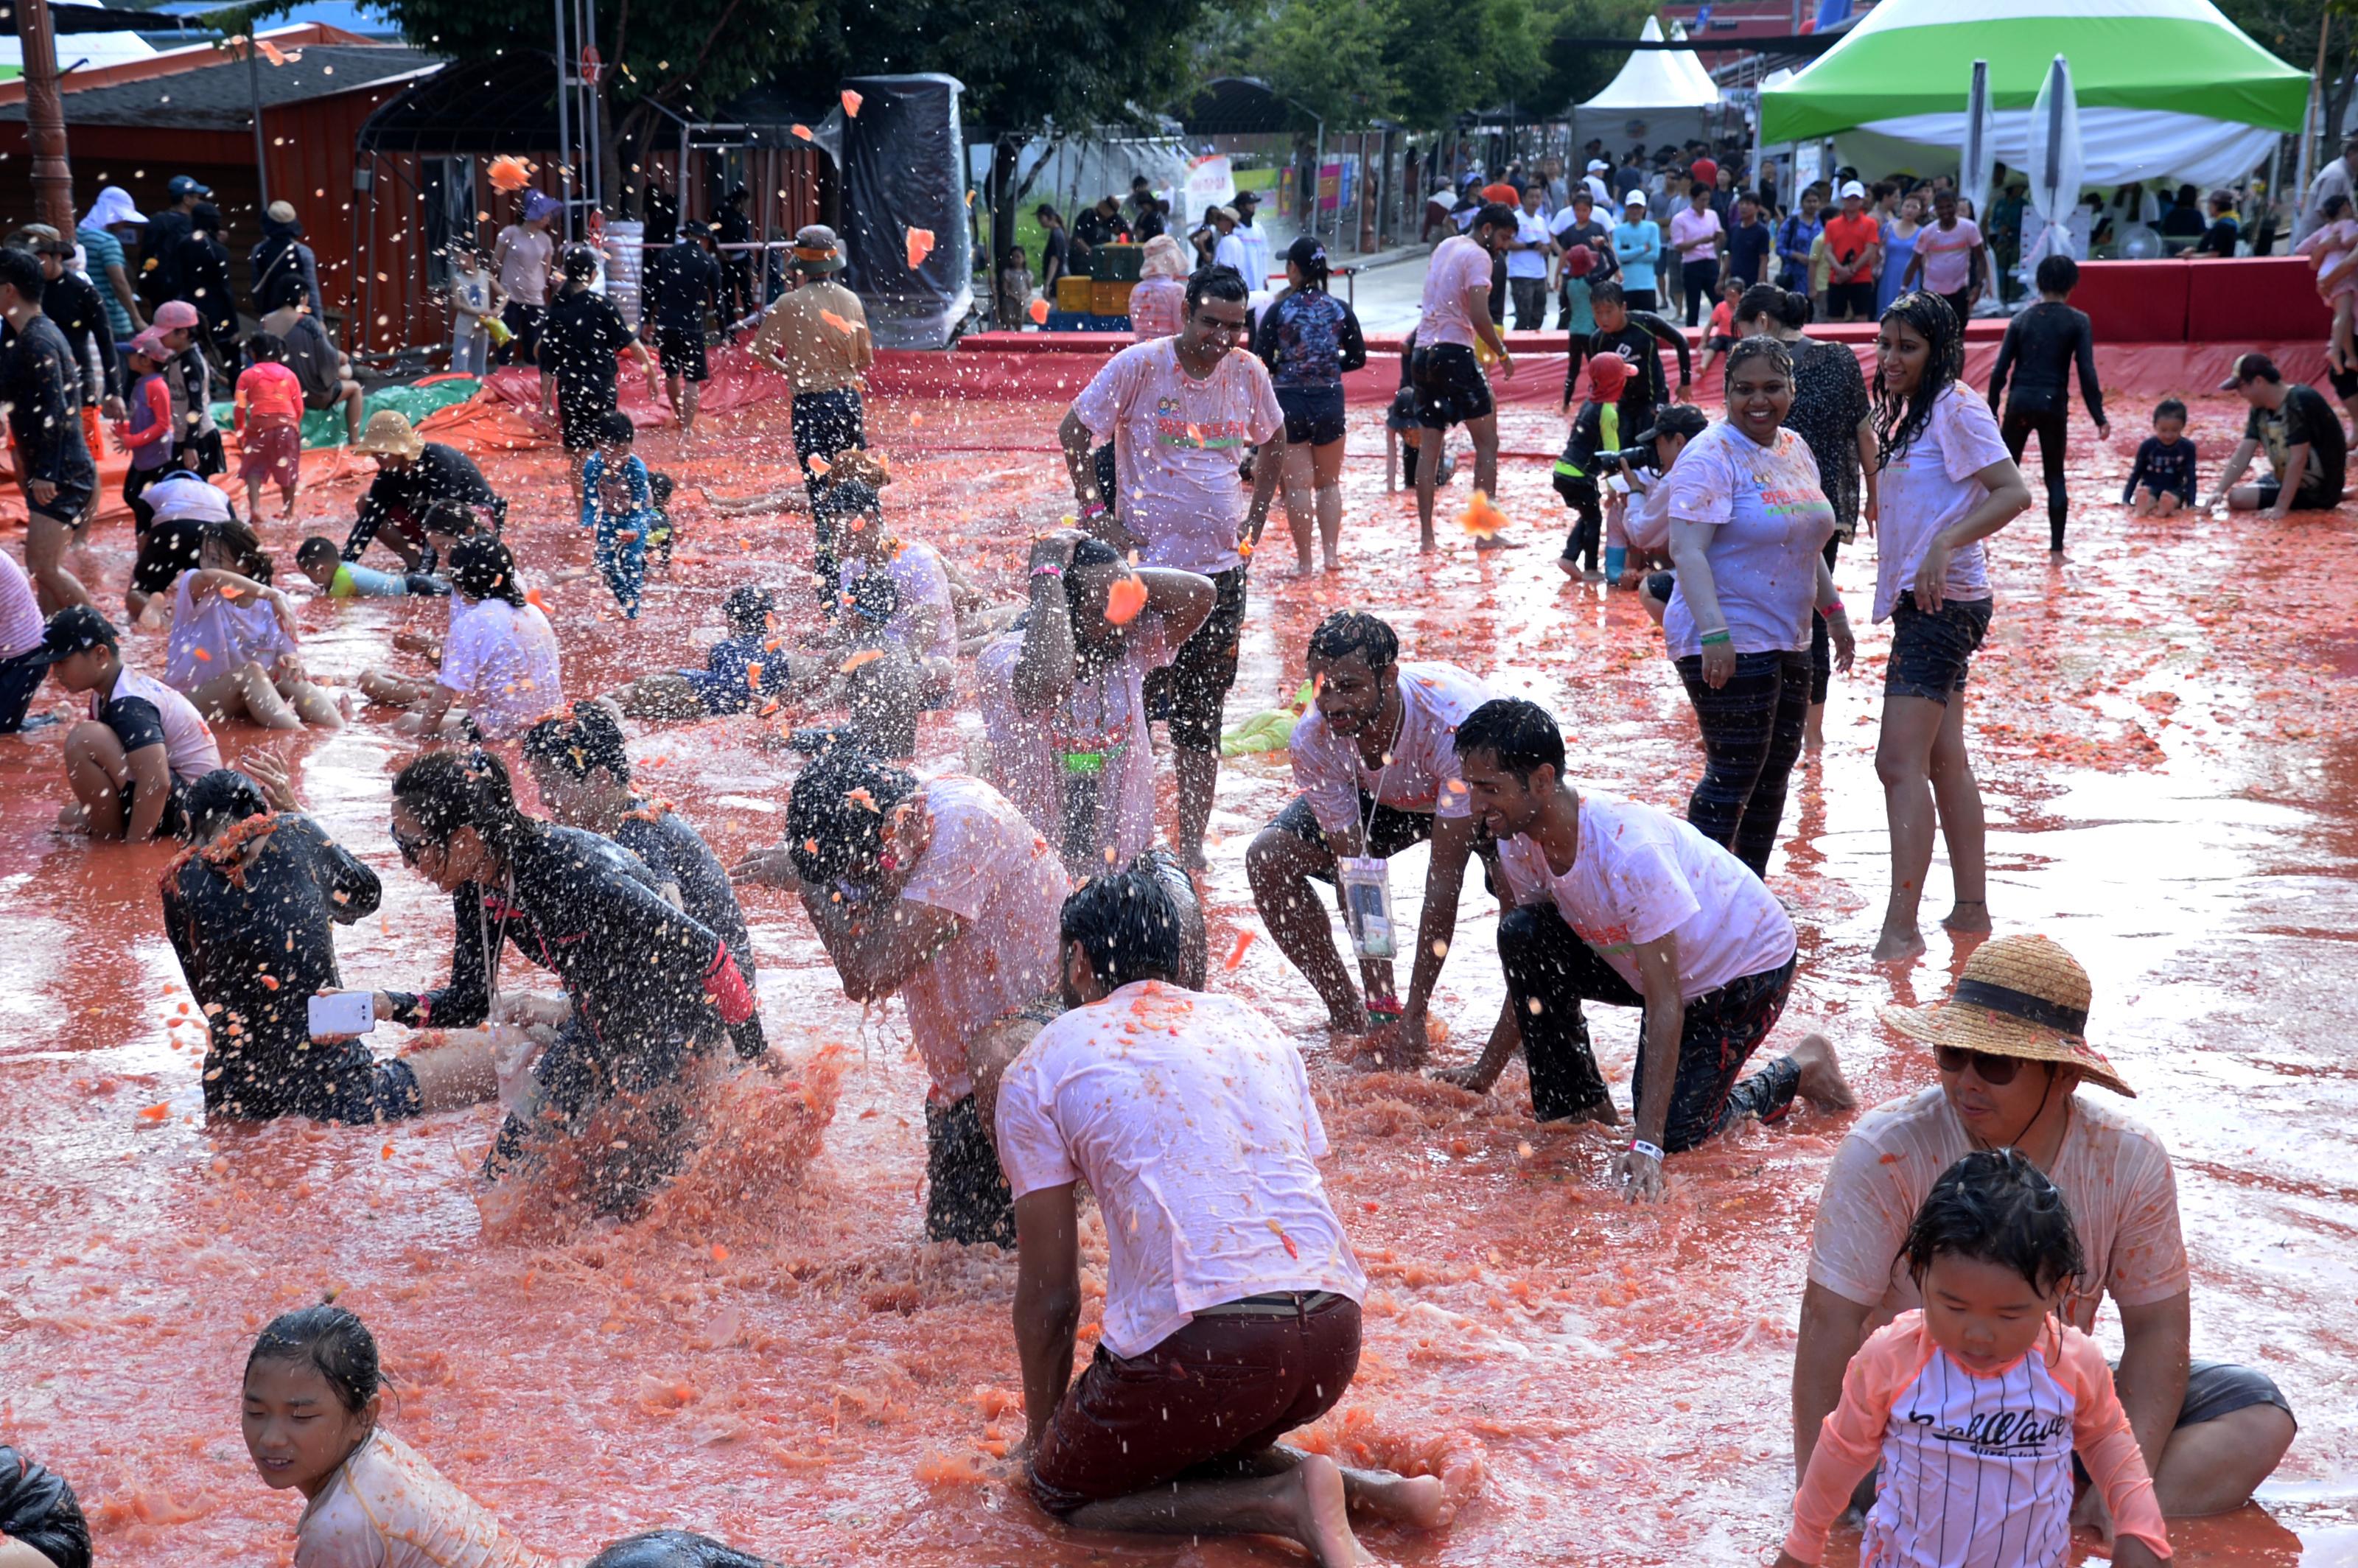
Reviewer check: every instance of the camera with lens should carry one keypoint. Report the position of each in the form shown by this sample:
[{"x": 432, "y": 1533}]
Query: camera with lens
[{"x": 1640, "y": 457}]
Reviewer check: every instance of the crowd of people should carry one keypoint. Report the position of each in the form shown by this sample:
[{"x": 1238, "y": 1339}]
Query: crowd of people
[{"x": 1046, "y": 939}]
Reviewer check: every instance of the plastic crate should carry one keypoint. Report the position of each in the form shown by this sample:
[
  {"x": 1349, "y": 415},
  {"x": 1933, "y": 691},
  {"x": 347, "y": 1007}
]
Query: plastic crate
[
  {"x": 1073, "y": 294},
  {"x": 1110, "y": 298},
  {"x": 1117, "y": 262}
]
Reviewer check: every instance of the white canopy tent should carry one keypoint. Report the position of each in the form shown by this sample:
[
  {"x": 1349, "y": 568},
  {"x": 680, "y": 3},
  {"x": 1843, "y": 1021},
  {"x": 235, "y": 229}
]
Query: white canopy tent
[{"x": 1661, "y": 95}]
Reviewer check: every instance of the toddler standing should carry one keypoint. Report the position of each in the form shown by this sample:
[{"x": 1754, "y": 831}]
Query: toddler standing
[{"x": 618, "y": 504}]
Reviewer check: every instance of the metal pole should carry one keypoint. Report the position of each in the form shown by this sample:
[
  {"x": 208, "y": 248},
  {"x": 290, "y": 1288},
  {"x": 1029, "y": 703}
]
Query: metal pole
[
  {"x": 45, "y": 119},
  {"x": 253, "y": 91},
  {"x": 593, "y": 130},
  {"x": 564, "y": 115}
]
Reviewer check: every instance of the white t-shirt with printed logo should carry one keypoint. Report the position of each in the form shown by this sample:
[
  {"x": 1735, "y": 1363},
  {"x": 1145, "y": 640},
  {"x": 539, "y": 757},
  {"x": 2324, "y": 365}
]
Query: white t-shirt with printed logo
[
  {"x": 1177, "y": 442},
  {"x": 1768, "y": 519},
  {"x": 1931, "y": 486},
  {"x": 1459, "y": 263},
  {"x": 986, "y": 865},
  {"x": 1642, "y": 874},
  {"x": 1190, "y": 1117},
  {"x": 1423, "y": 775}
]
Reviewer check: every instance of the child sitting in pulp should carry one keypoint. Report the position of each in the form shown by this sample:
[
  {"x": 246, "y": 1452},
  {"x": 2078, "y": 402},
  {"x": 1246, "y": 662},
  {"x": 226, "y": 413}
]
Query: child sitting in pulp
[
  {"x": 1975, "y": 1403},
  {"x": 747, "y": 667},
  {"x": 2162, "y": 481},
  {"x": 618, "y": 504}
]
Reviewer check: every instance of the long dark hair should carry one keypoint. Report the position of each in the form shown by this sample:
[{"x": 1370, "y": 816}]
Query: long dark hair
[
  {"x": 445, "y": 791},
  {"x": 334, "y": 1343},
  {"x": 244, "y": 544},
  {"x": 482, "y": 568},
  {"x": 1899, "y": 421}
]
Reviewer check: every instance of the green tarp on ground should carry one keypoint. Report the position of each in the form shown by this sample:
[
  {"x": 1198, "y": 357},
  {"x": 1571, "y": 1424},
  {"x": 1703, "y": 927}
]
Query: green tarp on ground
[{"x": 326, "y": 428}]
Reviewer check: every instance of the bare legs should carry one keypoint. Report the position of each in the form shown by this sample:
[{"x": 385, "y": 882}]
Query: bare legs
[
  {"x": 1304, "y": 1497},
  {"x": 2213, "y": 1466},
  {"x": 1313, "y": 492},
  {"x": 684, "y": 394},
  {"x": 97, "y": 772},
  {"x": 1199, "y": 775},
  {"x": 1922, "y": 763},
  {"x": 461, "y": 1071},
  {"x": 45, "y": 562},
  {"x": 1279, "y": 866},
  {"x": 283, "y": 699},
  {"x": 664, "y": 694},
  {"x": 1484, "y": 428}
]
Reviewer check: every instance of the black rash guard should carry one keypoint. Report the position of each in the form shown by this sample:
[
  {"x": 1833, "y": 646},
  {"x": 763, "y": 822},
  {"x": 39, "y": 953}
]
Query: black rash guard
[
  {"x": 677, "y": 855},
  {"x": 1640, "y": 341}
]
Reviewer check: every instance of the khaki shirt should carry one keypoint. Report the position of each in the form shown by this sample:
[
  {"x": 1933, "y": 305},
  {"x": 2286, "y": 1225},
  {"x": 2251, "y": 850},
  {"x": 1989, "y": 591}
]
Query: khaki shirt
[{"x": 819, "y": 355}]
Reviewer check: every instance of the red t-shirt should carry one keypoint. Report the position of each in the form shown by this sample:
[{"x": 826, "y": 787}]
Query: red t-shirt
[
  {"x": 269, "y": 395},
  {"x": 1848, "y": 237}
]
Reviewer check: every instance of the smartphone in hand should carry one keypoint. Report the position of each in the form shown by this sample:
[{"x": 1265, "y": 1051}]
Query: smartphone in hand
[{"x": 344, "y": 1013}]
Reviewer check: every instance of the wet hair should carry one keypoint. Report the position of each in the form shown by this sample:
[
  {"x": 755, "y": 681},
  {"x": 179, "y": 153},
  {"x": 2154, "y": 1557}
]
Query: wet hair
[
  {"x": 316, "y": 549},
  {"x": 1350, "y": 632},
  {"x": 1762, "y": 302},
  {"x": 1308, "y": 254},
  {"x": 838, "y": 812},
  {"x": 243, "y": 544},
  {"x": 581, "y": 263},
  {"x": 1897, "y": 420},
  {"x": 266, "y": 348},
  {"x": 1127, "y": 924},
  {"x": 222, "y": 799},
  {"x": 1608, "y": 294},
  {"x": 38, "y": 1509},
  {"x": 2057, "y": 274},
  {"x": 659, "y": 489},
  {"x": 1996, "y": 1206},
  {"x": 284, "y": 289},
  {"x": 445, "y": 791},
  {"x": 337, "y": 1344},
  {"x": 580, "y": 741},
  {"x": 455, "y": 518},
  {"x": 1222, "y": 283},
  {"x": 1085, "y": 553},
  {"x": 482, "y": 568},
  {"x": 846, "y": 498},
  {"x": 2168, "y": 408},
  {"x": 747, "y": 608},
  {"x": 1496, "y": 215},
  {"x": 674, "y": 1548},
  {"x": 1520, "y": 734},
  {"x": 615, "y": 429},
  {"x": 1759, "y": 346},
  {"x": 22, "y": 271}
]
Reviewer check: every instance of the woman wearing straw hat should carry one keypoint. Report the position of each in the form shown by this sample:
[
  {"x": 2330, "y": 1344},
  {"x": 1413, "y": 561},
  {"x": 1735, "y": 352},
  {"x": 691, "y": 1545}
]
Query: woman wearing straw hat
[
  {"x": 412, "y": 474},
  {"x": 2010, "y": 1045}
]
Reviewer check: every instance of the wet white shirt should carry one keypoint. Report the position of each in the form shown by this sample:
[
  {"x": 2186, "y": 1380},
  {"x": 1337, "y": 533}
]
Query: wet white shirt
[{"x": 1423, "y": 775}]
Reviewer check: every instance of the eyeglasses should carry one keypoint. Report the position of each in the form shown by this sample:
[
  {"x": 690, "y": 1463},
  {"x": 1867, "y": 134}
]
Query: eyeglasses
[
  {"x": 413, "y": 849},
  {"x": 1996, "y": 1071}
]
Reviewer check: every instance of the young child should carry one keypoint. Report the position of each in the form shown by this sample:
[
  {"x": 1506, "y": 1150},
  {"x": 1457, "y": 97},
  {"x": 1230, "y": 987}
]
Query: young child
[
  {"x": 1975, "y": 1403},
  {"x": 147, "y": 427},
  {"x": 2332, "y": 248},
  {"x": 659, "y": 538},
  {"x": 314, "y": 1397},
  {"x": 618, "y": 504},
  {"x": 475, "y": 301},
  {"x": 748, "y": 666},
  {"x": 341, "y": 578},
  {"x": 269, "y": 424},
  {"x": 2163, "y": 478},
  {"x": 1014, "y": 291},
  {"x": 1596, "y": 429},
  {"x": 1721, "y": 336}
]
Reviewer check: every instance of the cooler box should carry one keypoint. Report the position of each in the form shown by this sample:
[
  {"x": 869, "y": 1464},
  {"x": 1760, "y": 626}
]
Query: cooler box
[
  {"x": 1117, "y": 262},
  {"x": 1110, "y": 298},
  {"x": 1073, "y": 294}
]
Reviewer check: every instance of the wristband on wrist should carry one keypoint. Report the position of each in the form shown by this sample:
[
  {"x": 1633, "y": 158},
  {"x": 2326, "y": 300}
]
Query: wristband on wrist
[
  {"x": 1708, "y": 638},
  {"x": 1093, "y": 509},
  {"x": 1651, "y": 1150},
  {"x": 1834, "y": 609},
  {"x": 1047, "y": 568}
]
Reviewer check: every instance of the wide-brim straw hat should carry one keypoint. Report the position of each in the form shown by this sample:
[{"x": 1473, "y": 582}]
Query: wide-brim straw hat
[
  {"x": 390, "y": 434},
  {"x": 2024, "y": 997}
]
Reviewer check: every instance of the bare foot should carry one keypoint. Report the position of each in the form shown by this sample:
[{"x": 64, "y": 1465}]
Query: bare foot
[
  {"x": 1425, "y": 544},
  {"x": 1418, "y": 1502},
  {"x": 1813, "y": 728},
  {"x": 1494, "y": 543},
  {"x": 1895, "y": 944},
  {"x": 1333, "y": 563},
  {"x": 1469, "y": 1077},
  {"x": 1821, "y": 1083},
  {"x": 1968, "y": 914},
  {"x": 1567, "y": 566},
  {"x": 1322, "y": 1517}
]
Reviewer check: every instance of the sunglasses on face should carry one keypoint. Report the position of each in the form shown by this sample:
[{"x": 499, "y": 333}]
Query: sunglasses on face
[
  {"x": 1996, "y": 1071},
  {"x": 413, "y": 851}
]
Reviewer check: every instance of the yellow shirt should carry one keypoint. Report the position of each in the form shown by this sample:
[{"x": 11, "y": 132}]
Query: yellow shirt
[{"x": 801, "y": 329}]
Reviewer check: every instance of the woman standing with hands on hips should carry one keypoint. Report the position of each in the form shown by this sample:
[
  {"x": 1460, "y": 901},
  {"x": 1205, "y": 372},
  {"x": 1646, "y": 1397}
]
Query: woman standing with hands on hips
[
  {"x": 1748, "y": 522},
  {"x": 1947, "y": 484}
]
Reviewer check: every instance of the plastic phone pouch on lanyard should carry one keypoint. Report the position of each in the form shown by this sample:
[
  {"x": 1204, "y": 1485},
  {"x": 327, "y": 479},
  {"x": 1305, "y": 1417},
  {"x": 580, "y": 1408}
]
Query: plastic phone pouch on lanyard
[{"x": 1365, "y": 885}]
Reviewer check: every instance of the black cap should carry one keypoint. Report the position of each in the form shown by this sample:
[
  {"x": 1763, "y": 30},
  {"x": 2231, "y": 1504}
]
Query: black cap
[
  {"x": 1306, "y": 253},
  {"x": 1677, "y": 419},
  {"x": 1244, "y": 196},
  {"x": 76, "y": 629}
]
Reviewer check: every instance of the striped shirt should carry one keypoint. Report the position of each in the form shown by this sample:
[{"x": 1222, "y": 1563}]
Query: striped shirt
[{"x": 20, "y": 612}]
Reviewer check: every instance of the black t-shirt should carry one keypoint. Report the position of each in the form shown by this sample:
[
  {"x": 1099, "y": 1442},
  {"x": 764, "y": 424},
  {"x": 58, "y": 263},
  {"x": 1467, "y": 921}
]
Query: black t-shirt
[
  {"x": 1055, "y": 246},
  {"x": 2306, "y": 416},
  {"x": 1640, "y": 341},
  {"x": 160, "y": 244},
  {"x": 43, "y": 391},
  {"x": 681, "y": 284},
  {"x": 578, "y": 340},
  {"x": 70, "y": 302},
  {"x": 1094, "y": 228},
  {"x": 679, "y": 855},
  {"x": 134, "y": 721},
  {"x": 2220, "y": 239}
]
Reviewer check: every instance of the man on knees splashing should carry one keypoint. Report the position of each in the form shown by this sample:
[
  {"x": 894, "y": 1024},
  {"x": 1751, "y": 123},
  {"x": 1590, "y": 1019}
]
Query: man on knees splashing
[
  {"x": 1376, "y": 760},
  {"x": 2011, "y": 1047},
  {"x": 1609, "y": 901},
  {"x": 937, "y": 892},
  {"x": 1182, "y": 412},
  {"x": 1232, "y": 1296}
]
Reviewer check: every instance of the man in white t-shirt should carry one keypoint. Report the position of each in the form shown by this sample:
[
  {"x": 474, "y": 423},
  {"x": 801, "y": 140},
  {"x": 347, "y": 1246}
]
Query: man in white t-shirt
[
  {"x": 23, "y": 665},
  {"x": 1376, "y": 760},
  {"x": 1527, "y": 262},
  {"x": 937, "y": 892},
  {"x": 1062, "y": 695},
  {"x": 1445, "y": 371},
  {"x": 131, "y": 763},
  {"x": 1232, "y": 1298},
  {"x": 1619, "y": 902},
  {"x": 1181, "y": 413},
  {"x": 2011, "y": 1047}
]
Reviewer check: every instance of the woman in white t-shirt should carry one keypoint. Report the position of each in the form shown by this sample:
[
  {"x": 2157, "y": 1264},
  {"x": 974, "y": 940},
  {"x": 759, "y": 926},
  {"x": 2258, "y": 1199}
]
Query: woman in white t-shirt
[
  {"x": 1748, "y": 526},
  {"x": 1947, "y": 483},
  {"x": 232, "y": 647},
  {"x": 500, "y": 659}
]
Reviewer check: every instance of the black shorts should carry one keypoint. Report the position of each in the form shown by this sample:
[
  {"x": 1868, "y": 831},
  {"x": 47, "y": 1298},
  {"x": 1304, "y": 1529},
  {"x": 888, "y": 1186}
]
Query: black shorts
[
  {"x": 200, "y": 454},
  {"x": 1721, "y": 344},
  {"x": 174, "y": 823},
  {"x": 579, "y": 413},
  {"x": 967, "y": 1197},
  {"x": 1846, "y": 299},
  {"x": 166, "y": 550},
  {"x": 2215, "y": 1389},
  {"x": 1192, "y": 691},
  {"x": 1389, "y": 831},
  {"x": 1930, "y": 654},
  {"x": 2308, "y": 498},
  {"x": 1450, "y": 385},
  {"x": 1313, "y": 414},
  {"x": 2345, "y": 384},
  {"x": 66, "y": 506},
  {"x": 20, "y": 678},
  {"x": 681, "y": 353}
]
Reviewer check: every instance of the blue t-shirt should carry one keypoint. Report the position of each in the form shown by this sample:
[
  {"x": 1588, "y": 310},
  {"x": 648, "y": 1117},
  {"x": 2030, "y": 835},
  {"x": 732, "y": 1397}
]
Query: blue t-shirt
[
  {"x": 723, "y": 686},
  {"x": 1747, "y": 252},
  {"x": 1638, "y": 246}
]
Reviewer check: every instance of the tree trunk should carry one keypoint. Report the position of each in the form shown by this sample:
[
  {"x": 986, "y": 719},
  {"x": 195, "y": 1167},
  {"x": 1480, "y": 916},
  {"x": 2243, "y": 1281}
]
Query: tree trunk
[{"x": 44, "y": 120}]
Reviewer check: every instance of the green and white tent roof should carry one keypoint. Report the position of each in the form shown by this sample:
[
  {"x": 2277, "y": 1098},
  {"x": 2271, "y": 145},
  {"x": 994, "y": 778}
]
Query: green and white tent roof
[{"x": 2165, "y": 87}]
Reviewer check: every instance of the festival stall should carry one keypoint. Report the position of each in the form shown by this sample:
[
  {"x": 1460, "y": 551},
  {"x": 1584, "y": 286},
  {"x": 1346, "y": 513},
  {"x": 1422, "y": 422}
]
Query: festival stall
[
  {"x": 2164, "y": 88},
  {"x": 1661, "y": 96}
]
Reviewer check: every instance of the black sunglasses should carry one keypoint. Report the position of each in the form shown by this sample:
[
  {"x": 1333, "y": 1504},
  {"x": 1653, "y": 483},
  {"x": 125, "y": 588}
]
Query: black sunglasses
[
  {"x": 1996, "y": 1071},
  {"x": 412, "y": 850}
]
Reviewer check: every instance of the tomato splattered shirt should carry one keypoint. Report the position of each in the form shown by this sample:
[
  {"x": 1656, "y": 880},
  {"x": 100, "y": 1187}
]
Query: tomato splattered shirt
[
  {"x": 1189, "y": 1115},
  {"x": 1176, "y": 443},
  {"x": 386, "y": 1508},
  {"x": 1642, "y": 874}
]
